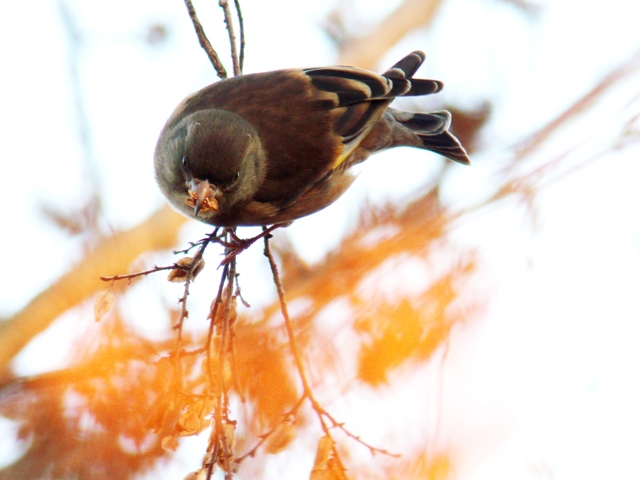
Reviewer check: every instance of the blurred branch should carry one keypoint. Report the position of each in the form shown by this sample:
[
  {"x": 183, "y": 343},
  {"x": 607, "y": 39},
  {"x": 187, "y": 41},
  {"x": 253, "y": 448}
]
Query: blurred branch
[
  {"x": 581, "y": 105},
  {"x": 416, "y": 225},
  {"x": 160, "y": 231},
  {"x": 416, "y": 231},
  {"x": 525, "y": 181},
  {"x": 71, "y": 28},
  {"x": 113, "y": 254},
  {"x": 365, "y": 51},
  {"x": 526, "y": 7}
]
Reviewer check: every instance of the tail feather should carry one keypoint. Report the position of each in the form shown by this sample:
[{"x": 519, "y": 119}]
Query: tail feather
[
  {"x": 401, "y": 74},
  {"x": 423, "y": 123},
  {"x": 423, "y": 86},
  {"x": 408, "y": 65},
  {"x": 446, "y": 144},
  {"x": 432, "y": 132}
]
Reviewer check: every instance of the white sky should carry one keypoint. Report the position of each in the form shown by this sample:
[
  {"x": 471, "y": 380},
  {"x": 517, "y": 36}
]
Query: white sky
[{"x": 547, "y": 383}]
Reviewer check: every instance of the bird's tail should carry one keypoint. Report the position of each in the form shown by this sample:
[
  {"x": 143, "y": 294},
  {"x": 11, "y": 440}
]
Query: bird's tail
[{"x": 431, "y": 132}]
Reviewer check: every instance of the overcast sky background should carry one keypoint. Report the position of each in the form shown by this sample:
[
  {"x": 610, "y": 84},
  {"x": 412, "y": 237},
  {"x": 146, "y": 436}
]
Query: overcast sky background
[{"x": 552, "y": 370}]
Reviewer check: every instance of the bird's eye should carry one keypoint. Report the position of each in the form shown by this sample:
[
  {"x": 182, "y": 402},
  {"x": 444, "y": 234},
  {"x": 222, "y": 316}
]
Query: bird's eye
[
  {"x": 237, "y": 176},
  {"x": 185, "y": 162}
]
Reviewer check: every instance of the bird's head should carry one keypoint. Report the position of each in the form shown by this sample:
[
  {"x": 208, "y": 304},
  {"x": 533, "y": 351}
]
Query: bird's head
[{"x": 209, "y": 164}]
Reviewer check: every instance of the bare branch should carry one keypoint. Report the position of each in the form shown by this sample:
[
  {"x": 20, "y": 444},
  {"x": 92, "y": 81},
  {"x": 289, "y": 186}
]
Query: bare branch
[
  {"x": 228, "y": 20},
  {"x": 204, "y": 41},
  {"x": 131, "y": 276},
  {"x": 241, "y": 24}
]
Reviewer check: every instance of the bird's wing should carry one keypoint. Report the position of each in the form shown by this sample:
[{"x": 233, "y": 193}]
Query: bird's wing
[{"x": 362, "y": 96}]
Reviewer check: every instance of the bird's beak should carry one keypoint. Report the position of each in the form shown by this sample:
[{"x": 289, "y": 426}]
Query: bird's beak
[{"x": 202, "y": 196}]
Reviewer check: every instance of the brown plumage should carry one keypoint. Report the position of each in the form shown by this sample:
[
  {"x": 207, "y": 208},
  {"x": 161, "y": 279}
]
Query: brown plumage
[{"x": 271, "y": 147}]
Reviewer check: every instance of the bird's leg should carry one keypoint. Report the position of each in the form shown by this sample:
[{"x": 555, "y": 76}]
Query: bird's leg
[{"x": 237, "y": 244}]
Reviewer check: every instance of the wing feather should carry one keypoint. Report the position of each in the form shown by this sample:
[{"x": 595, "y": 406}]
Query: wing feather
[{"x": 363, "y": 96}]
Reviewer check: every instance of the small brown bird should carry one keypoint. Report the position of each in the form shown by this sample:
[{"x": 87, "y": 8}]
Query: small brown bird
[{"x": 268, "y": 148}]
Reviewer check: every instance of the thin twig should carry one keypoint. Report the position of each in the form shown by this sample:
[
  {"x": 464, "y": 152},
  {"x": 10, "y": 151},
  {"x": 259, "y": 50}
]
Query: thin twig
[
  {"x": 287, "y": 416},
  {"x": 212, "y": 316},
  {"x": 293, "y": 343},
  {"x": 224, "y": 350},
  {"x": 191, "y": 273},
  {"x": 76, "y": 44},
  {"x": 295, "y": 351},
  {"x": 234, "y": 245},
  {"x": 177, "y": 375},
  {"x": 130, "y": 276},
  {"x": 357, "y": 438},
  {"x": 212, "y": 237},
  {"x": 222, "y": 317},
  {"x": 241, "y": 25},
  {"x": 212, "y": 447},
  {"x": 204, "y": 41},
  {"x": 228, "y": 20},
  {"x": 307, "y": 391}
]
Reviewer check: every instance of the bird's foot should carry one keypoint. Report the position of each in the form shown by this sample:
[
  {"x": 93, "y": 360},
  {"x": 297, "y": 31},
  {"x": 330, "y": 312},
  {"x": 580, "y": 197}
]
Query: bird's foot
[{"x": 237, "y": 245}]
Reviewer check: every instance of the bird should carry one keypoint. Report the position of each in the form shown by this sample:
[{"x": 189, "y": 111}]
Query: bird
[{"x": 268, "y": 148}]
